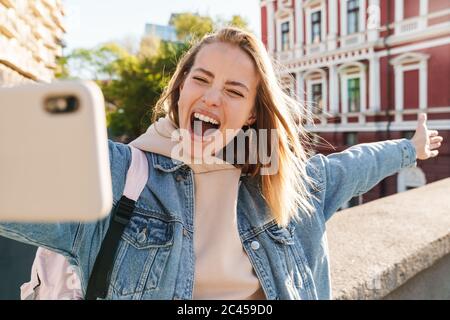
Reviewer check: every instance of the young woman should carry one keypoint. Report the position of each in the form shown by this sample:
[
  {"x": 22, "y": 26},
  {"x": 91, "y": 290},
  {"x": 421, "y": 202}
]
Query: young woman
[{"x": 210, "y": 226}]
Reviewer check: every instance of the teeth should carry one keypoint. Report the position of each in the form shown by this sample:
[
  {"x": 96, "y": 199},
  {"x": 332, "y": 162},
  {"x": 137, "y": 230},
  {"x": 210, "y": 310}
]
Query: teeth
[{"x": 205, "y": 118}]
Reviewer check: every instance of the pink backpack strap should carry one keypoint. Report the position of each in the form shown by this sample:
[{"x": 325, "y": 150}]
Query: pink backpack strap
[
  {"x": 52, "y": 277},
  {"x": 137, "y": 174}
]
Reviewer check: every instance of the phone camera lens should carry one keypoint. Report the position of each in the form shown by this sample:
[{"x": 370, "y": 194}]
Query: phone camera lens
[{"x": 63, "y": 104}]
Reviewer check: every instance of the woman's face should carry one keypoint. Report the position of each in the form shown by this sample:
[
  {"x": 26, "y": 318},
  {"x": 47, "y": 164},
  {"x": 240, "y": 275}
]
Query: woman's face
[{"x": 217, "y": 94}]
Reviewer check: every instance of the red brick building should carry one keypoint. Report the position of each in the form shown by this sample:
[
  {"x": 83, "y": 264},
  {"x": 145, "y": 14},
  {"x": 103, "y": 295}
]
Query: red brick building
[{"x": 365, "y": 68}]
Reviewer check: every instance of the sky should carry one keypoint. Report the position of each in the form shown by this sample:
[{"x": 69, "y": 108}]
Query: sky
[{"x": 90, "y": 22}]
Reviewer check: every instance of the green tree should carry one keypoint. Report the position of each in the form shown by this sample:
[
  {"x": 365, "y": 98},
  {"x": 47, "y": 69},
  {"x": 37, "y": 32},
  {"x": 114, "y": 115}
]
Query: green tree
[
  {"x": 62, "y": 70},
  {"x": 191, "y": 26},
  {"x": 136, "y": 89},
  {"x": 238, "y": 21},
  {"x": 96, "y": 64},
  {"x": 235, "y": 21},
  {"x": 149, "y": 46}
]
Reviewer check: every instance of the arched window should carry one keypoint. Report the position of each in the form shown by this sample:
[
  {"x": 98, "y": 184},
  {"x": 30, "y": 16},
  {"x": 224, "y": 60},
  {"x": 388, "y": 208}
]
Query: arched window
[
  {"x": 316, "y": 91},
  {"x": 411, "y": 72},
  {"x": 316, "y": 25},
  {"x": 353, "y": 14},
  {"x": 288, "y": 84},
  {"x": 285, "y": 27},
  {"x": 353, "y": 88}
]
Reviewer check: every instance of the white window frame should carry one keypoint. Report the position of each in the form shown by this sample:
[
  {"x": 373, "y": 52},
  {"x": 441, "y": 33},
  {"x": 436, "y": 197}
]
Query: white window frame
[
  {"x": 404, "y": 63},
  {"x": 309, "y": 79},
  {"x": 345, "y": 78},
  {"x": 309, "y": 83},
  {"x": 343, "y": 71},
  {"x": 288, "y": 3},
  {"x": 279, "y": 22},
  {"x": 323, "y": 27},
  {"x": 362, "y": 15}
]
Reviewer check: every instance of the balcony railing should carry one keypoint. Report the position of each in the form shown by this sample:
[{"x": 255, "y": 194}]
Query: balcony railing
[
  {"x": 410, "y": 25},
  {"x": 315, "y": 48},
  {"x": 406, "y": 27},
  {"x": 321, "y": 120},
  {"x": 416, "y": 24},
  {"x": 353, "y": 39},
  {"x": 346, "y": 42}
]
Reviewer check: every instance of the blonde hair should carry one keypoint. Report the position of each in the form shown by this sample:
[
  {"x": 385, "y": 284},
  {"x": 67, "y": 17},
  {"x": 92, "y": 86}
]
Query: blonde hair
[{"x": 285, "y": 192}]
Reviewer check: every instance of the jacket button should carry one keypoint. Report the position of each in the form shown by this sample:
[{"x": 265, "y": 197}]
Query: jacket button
[
  {"x": 142, "y": 236},
  {"x": 185, "y": 232},
  {"x": 254, "y": 245},
  {"x": 179, "y": 177}
]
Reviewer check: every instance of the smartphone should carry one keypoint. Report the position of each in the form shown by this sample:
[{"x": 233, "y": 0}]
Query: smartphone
[{"x": 54, "y": 162}]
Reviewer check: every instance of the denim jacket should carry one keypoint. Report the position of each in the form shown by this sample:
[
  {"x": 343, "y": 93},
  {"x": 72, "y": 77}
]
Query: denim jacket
[{"x": 155, "y": 258}]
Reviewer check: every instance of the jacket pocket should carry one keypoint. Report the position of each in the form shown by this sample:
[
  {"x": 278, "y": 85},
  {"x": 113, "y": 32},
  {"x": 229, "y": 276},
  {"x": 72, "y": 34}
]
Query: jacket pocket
[
  {"x": 142, "y": 256},
  {"x": 292, "y": 257}
]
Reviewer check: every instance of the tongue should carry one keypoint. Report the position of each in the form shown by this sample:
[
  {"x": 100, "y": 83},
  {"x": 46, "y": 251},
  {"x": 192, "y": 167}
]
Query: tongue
[{"x": 200, "y": 127}]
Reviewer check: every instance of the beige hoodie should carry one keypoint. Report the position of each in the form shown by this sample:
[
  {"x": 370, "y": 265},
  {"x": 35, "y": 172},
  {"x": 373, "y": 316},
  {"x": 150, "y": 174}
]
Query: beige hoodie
[{"x": 222, "y": 268}]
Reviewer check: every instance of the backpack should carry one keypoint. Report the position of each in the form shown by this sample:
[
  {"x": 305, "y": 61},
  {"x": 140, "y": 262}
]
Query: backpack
[{"x": 53, "y": 278}]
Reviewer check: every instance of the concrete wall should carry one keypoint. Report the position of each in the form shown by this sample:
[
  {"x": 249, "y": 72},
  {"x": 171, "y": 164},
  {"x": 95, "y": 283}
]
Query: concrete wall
[
  {"x": 430, "y": 284},
  {"x": 397, "y": 247}
]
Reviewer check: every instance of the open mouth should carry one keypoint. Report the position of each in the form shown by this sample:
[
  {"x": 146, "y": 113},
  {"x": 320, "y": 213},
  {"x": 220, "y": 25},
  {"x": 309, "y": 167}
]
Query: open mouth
[{"x": 202, "y": 125}]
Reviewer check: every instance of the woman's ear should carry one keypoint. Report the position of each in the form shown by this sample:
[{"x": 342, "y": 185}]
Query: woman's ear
[{"x": 251, "y": 119}]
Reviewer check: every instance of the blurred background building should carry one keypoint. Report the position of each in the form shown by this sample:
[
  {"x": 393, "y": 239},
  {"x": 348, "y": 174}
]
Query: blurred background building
[
  {"x": 365, "y": 68},
  {"x": 165, "y": 33},
  {"x": 30, "y": 39},
  {"x": 30, "y": 42}
]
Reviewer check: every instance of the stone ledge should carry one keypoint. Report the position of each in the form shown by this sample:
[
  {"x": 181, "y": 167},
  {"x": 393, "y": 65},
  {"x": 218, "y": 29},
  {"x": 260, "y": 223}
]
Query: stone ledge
[{"x": 380, "y": 245}]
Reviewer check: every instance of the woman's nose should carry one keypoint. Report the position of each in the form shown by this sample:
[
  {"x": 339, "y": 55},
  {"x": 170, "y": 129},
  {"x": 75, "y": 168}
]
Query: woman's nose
[{"x": 212, "y": 97}]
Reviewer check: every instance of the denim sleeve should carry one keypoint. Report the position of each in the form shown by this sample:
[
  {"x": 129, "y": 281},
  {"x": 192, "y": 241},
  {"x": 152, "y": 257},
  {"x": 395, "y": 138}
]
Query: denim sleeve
[
  {"x": 359, "y": 168},
  {"x": 120, "y": 160},
  {"x": 65, "y": 237}
]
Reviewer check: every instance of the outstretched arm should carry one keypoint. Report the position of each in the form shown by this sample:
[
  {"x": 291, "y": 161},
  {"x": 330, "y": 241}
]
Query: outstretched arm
[
  {"x": 65, "y": 237},
  {"x": 359, "y": 168}
]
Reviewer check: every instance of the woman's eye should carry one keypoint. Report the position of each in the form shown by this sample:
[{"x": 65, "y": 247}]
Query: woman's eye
[
  {"x": 200, "y": 79},
  {"x": 236, "y": 93}
]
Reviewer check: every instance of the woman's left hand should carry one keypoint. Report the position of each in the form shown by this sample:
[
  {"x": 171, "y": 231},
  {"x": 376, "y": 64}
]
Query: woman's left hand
[{"x": 426, "y": 141}]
